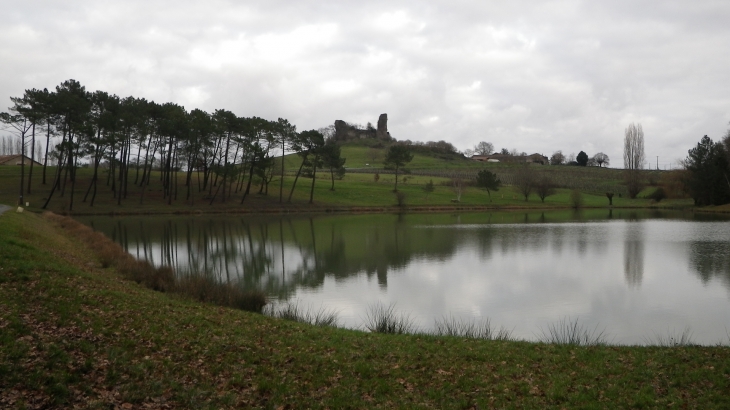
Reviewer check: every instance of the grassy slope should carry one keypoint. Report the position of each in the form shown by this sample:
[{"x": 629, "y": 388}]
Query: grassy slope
[
  {"x": 72, "y": 333},
  {"x": 355, "y": 190}
]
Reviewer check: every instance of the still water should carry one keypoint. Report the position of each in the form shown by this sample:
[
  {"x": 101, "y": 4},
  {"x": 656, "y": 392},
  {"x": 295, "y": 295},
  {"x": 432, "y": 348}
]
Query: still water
[{"x": 636, "y": 275}]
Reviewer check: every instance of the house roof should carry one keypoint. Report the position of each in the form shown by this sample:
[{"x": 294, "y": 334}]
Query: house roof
[{"x": 8, "y": 159}]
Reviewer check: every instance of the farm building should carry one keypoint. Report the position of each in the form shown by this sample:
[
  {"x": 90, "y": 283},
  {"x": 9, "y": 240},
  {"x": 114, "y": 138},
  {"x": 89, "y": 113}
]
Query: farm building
[
  {"x": 17, "y": 159},
  {"x": 533, "y": 159}
]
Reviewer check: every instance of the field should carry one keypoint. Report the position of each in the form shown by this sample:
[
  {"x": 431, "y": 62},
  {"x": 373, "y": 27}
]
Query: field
[
  {"x": 75, "y": 334},
  {"x": 363, "y": 187}
]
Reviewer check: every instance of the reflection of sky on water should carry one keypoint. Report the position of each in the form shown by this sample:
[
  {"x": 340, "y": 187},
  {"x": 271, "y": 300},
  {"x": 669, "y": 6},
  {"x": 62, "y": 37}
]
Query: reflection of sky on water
[
  {"x": 558, "y": 270},
  {"x": 635, "y": 278}
]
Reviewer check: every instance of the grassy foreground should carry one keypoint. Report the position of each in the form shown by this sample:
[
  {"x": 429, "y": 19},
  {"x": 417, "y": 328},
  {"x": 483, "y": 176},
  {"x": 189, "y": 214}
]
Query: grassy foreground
[{"x": 73, "y": 334}]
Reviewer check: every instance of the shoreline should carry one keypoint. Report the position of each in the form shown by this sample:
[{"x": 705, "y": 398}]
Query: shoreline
[{"x": 356, "y": 210}]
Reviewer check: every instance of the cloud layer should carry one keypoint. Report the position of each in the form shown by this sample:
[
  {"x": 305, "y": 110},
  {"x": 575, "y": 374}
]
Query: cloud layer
[{"x": 562, "y": 75}]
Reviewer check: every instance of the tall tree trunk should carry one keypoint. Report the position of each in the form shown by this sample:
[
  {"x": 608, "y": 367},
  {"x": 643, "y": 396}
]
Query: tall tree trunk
[
  {"x": 32, "y": 158},
  {"x": 21, "y": 202},
  {"x": 314, "y": 178},
  {"x": 250, "y": 178},
  {"x": 57, "y": 182},
  {"x": 296, "y": 178},
  {"x": 139, "y": 152},
  {"x": 48, "y": 142},
  {"x": 281, "y": 181}
]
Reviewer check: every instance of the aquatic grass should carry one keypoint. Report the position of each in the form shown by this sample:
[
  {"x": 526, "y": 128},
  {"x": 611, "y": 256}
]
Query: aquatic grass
[
  {"x": 293, "y": 312},
  {"x": 471, "y": 329},
  {"x": 382, "y": 319},
  {"x": 569, "y": 331},
  {"x": 672, "y": 339}
]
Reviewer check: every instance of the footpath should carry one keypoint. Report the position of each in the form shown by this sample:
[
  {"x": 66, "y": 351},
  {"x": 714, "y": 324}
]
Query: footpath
[{"x": 3, "y": 208}]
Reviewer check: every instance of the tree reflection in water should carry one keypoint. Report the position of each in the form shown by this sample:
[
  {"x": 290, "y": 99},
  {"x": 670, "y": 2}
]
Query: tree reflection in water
[
  {"x": 634, "y": 254},
  {"x": 281, "y": 254}
]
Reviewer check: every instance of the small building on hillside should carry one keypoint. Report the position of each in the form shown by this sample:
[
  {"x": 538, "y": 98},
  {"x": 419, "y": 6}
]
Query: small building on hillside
[
  {"x": 532, "y": 159},
  {"x": 17, "y": 159}
]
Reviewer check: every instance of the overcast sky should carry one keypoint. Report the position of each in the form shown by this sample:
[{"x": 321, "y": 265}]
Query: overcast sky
[{"x": 536, "y": 77}]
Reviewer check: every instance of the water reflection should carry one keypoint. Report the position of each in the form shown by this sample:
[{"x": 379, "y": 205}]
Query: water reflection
[
  {"x": 634, "y": 254},
  {"x": 522, "y": 270},
  {"x": 709, "y": 254}
]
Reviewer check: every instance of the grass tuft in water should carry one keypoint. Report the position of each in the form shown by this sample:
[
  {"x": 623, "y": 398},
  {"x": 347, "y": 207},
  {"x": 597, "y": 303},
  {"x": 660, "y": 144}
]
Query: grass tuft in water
[
  {"x": 570, "y": 332},
  {"x": 672, "y": 339},
  {"x": 381, "y": 319},
  {"x": 292, "y": 311},
  {"x": 471, "y": 329}
]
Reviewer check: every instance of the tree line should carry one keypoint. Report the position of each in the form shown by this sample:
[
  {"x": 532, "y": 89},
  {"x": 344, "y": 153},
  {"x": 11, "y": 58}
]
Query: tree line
[
  {"x": 218, "y": 154},
  {"x": 557, "y": 158}
]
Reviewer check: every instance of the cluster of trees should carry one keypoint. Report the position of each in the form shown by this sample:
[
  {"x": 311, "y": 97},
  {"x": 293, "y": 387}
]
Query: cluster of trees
[
  {"x": 487, "y": 148},
  {"x": 11, "y": 145},
  {"x": 582, "y": 159},
  {"x": 431, "y": 147},
  {"x": 558, "y": 158},
  {"x": 132, "y": 136},
  {"x": 707, "y": 177}
]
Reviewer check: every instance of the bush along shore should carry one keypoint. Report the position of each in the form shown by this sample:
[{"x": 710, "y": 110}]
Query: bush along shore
[{"x": 76, "y": 332}]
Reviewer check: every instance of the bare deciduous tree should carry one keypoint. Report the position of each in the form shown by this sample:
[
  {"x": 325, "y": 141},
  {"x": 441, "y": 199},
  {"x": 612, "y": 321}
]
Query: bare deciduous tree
[
  {"x": 634, "y": 158},
  {"x": 544, "y": 187},
  {"x": 601, "y": 159},
  {"x": 557, "y": 158},
  {"x": 457, "y": 185},
  {"x": 374, "y": 154},
  {"x": 484, "y": 148},
  {"x": 525, "y": 178}
]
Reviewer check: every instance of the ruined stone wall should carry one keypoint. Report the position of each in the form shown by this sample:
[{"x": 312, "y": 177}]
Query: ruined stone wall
[{"x": 346, "y": 132}]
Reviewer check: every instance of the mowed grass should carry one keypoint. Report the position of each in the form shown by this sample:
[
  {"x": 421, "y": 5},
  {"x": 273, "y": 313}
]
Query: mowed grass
[
  {"x": 74, "y": 334},
  {"x": 355, "y": 190}
]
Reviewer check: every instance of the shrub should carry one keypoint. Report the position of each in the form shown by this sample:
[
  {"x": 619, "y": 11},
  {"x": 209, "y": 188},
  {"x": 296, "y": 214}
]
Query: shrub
[
  {"x": 428, "y": 188},
  {"x": 658, "y": 194},
  {"x": 400, "y": 198},
  {"x": 576, "y": 199}
]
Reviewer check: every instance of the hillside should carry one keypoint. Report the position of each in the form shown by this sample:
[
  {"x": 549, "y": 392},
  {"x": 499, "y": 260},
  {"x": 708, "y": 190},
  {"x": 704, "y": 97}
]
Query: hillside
[{"x": 366, "y": 185}]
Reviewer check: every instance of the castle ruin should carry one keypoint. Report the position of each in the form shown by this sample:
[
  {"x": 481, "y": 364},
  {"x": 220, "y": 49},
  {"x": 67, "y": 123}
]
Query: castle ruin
[{"x": 347, "y": 132}]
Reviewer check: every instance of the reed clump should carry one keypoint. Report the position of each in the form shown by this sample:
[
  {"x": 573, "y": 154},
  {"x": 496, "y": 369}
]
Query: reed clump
[
  {"x": 382, "y": 319},
  {"x": 471, "y": 329},
  {"x": 292, "y": 311},
  {"x": 672, "y": 339},
  {"x": 571, "y": 332}
]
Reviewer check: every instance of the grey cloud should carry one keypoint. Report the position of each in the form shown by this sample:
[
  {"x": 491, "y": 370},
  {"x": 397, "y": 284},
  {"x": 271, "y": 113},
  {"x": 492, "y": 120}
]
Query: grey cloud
[{"x": 558, "y": 75}]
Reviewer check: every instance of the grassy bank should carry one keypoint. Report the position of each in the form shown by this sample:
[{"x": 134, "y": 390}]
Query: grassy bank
[{"x": 73, "y": 333}]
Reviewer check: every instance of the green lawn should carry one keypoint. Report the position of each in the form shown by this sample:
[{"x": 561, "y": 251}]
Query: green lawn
[{"x": 355, "y": 190}]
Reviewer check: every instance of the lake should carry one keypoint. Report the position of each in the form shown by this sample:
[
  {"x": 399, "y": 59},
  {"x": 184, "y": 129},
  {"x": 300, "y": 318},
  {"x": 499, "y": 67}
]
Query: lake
[{"x": 636, "y": 275}]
